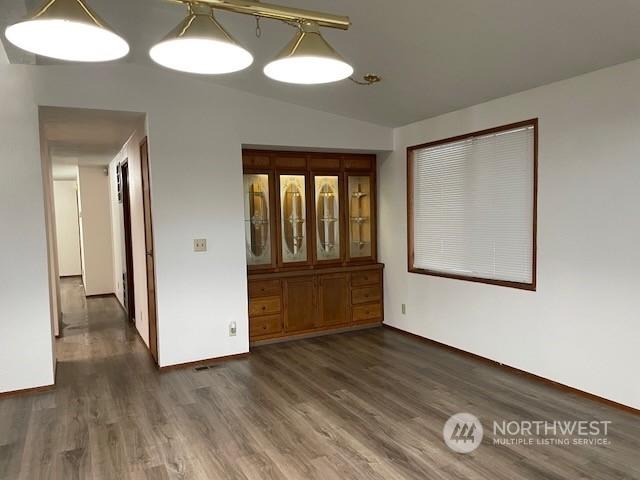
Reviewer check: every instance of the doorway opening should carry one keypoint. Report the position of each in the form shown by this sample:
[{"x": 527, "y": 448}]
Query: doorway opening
[{"x": 99, "y": 224}]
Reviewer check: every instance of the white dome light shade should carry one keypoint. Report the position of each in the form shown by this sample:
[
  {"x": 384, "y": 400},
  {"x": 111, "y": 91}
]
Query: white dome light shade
[
  {"x": 200, "y": 45},
  {"x": 67, "y": 30},
  {"x": 308, "y": 59},
  {"x": 308, "y": 70}
]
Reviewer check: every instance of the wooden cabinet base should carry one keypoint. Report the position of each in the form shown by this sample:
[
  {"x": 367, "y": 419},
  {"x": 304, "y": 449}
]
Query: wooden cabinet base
[{"x": 314, "y": 301}]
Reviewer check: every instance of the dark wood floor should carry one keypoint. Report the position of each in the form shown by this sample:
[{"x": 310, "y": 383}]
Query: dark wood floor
[{"x": 367, "y": 405}]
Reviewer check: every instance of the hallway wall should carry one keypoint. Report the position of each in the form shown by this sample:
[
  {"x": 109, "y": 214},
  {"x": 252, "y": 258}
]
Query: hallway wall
[
  {"x": 93, "y": 185},
  {"x": 67, "y": 227},
  {"x": 95, "y": 211},
  {"x": 26, "y": 348},
  {"x": 131, "y": 153}
]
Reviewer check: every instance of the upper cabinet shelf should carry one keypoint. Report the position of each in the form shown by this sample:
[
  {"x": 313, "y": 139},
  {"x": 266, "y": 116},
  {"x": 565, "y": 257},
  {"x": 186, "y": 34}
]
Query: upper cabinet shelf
[{"x": 308, "y": 209}]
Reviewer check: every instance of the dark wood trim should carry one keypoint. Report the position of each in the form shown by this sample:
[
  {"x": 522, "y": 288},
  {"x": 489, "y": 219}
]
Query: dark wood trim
[
  {"x": 315, "y": 271},
  {"x": 410, "y": 230},
  {"x": 150, "y": 259},
  {"x": 208, "y": 361},
  {"x": 125, "y": 175},
  {"x": 33, "y": 390},
  {"x": 27, "y": 391},
  {"x": 517, "y": 371}
]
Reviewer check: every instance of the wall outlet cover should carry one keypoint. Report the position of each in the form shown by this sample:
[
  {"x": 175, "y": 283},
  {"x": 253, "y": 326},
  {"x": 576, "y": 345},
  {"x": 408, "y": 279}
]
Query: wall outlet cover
[{"x": 200, "y": 245}]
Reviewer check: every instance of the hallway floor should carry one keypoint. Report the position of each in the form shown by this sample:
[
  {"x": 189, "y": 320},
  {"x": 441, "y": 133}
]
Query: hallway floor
[{"x": 361, "y": 405}]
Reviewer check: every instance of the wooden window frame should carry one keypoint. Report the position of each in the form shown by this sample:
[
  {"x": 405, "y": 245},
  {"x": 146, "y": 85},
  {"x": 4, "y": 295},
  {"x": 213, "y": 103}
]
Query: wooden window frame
[{"x": 410, "y": 227}]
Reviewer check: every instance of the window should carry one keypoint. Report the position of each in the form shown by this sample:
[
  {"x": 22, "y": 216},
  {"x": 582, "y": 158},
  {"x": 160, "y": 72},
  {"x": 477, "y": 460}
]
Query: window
[{"x": 472, "y": 206}]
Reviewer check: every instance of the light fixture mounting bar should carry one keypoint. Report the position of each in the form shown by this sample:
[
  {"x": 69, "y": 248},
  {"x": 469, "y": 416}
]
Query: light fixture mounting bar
[{"x": 277, "y": 12}]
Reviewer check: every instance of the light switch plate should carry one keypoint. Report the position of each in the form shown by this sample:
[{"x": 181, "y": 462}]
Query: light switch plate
[{"x": 200, "y": 245}]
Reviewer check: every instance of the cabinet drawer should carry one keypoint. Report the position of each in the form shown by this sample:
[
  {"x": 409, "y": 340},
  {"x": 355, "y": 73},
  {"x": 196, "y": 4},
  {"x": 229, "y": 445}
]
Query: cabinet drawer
[
  {"x": 264, "y": 288},
  {"x": 264, "y": 306},
  {"x": 265, "y": 325},
  {"x": 368, "y": 277},
  {"x": 362, "y": 313},
  {"x": 365, "y": 294}
]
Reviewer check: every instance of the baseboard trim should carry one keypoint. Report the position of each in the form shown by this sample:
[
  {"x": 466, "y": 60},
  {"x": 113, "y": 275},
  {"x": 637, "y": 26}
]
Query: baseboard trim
[
  {"x": 34, "y": 390},
  {"x": 208, "y": 361},
  {"x": 27, "y": 391},
  {"x": 532, "y": 376},
  {"x": 102, "y": 295}
]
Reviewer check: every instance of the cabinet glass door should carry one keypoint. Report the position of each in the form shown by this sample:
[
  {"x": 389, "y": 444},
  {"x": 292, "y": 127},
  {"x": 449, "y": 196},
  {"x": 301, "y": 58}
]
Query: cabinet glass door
[
  {"x": 293, "y": 218},
  {"x": 257, "y": 219},
  {"x": 359, "y": 192},
  {"x": 327, "y": 208}
]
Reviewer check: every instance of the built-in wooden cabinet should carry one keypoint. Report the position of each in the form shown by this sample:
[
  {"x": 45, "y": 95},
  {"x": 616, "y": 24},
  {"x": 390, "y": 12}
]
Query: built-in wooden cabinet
[
  {"x": 310, "y": 240},
  {"x": 333, "y": 299}
]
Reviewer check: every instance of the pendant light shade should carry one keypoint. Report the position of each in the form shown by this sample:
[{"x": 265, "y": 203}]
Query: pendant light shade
[
  {"x": 67, "y": 30},
  {"x": 200, "y": 45},
  {"x": 308, "y": 59}
]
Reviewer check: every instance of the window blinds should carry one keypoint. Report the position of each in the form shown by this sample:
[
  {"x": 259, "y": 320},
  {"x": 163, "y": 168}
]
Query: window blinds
[{"x": 473, "y": 203}]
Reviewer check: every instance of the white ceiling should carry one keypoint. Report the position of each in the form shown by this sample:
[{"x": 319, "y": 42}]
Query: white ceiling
[
  {"x": 434, "y": 56},
  {"x": 78, "y": 136}
]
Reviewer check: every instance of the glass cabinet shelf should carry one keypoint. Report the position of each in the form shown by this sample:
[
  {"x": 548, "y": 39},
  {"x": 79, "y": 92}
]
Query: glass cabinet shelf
[
  {"x": 327, "y": 217},
  {"x": 294, "y": 218},
  {"x": 359, "y": 188},
  {"x": 257, "y": 219}
]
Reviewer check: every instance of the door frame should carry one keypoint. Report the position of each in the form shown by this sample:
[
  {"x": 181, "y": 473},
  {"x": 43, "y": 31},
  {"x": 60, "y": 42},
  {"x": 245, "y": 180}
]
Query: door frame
[
  {"x": 128, "y": 243},
  {"x": 152, "y": 313}
]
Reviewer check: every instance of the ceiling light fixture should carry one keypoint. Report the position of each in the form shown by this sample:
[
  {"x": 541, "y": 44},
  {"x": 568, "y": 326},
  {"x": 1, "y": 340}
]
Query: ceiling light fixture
[
  {"x": 199, "y": 44},
  {"x": 308, "y": 59},
  {"x": 67, "y": 30}
]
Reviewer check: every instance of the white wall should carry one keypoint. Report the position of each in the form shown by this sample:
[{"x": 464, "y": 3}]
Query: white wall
[
  {"x": 95, "y": 205},
  {"x": 67, "y": 227},
  {"x": 196, "y": 131},
  {"x": 26, "y": 349},
  {"x": 131, "y": 153},
  {"x": 582, "y": 325}
]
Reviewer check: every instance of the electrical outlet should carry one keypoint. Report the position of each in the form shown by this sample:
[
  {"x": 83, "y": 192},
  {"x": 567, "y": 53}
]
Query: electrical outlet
[
  {"x": 232, "y": 329},
  {"x": 404, "y": 309},
  {"x": 200, "y": 245}
]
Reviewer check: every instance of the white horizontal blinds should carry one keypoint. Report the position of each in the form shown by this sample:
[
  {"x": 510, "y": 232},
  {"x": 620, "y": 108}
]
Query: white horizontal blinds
[{"x": 473, "y": 206}]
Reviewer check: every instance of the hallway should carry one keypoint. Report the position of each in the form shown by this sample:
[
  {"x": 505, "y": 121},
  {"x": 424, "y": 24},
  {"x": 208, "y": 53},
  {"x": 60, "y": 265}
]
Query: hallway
[{"x": 367, "y": 404}]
